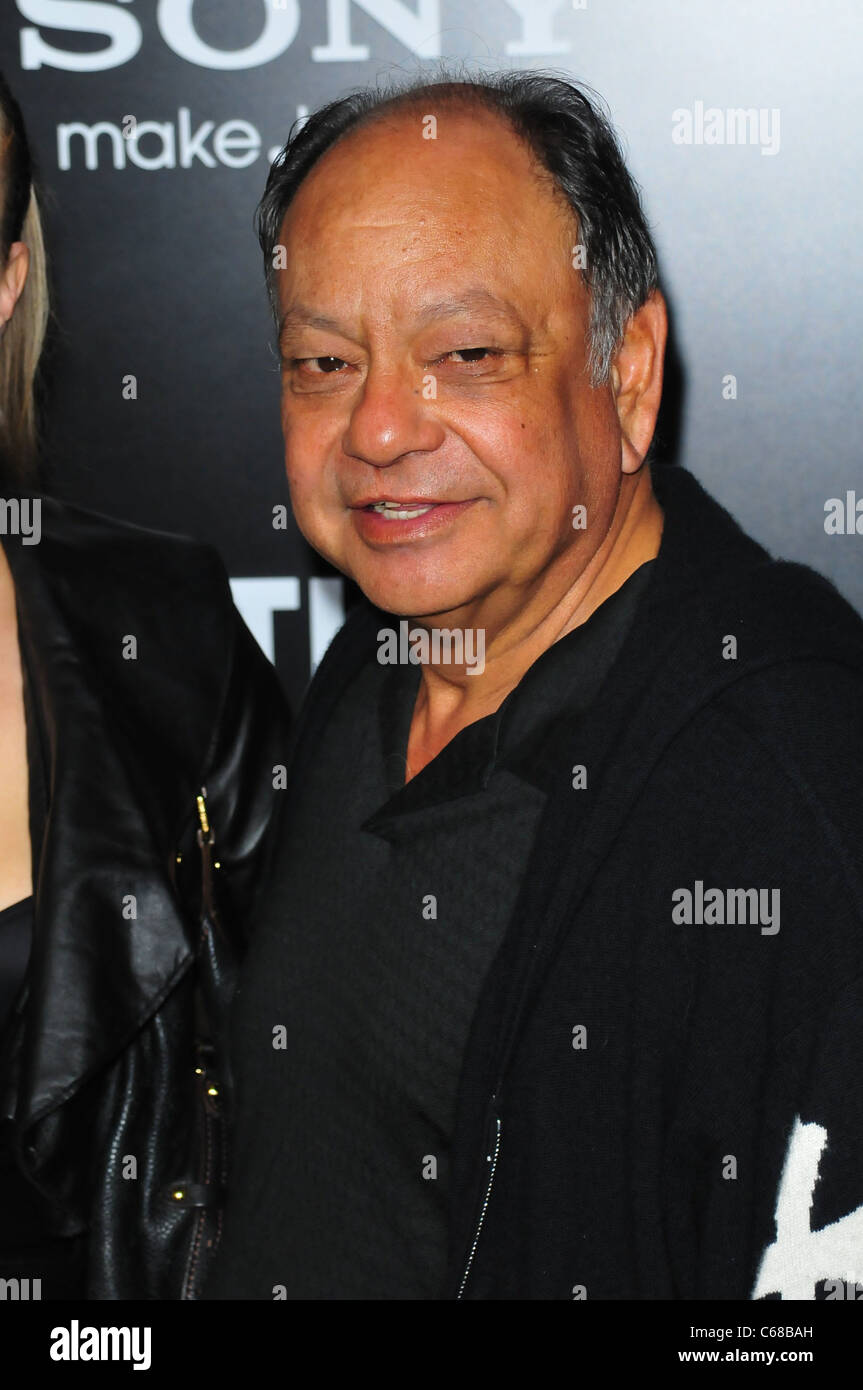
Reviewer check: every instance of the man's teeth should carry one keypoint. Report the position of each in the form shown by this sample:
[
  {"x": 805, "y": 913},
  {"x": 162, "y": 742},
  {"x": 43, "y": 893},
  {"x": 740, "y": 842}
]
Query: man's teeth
[{"x": 394, "y": 511}]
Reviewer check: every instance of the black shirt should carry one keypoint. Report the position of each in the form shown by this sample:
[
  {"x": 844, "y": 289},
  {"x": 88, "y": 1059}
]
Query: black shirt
[
  {"x": 16, "y": 931},
  {"x": 16, "y": 921},
  {"x": 388, "y": 905}
]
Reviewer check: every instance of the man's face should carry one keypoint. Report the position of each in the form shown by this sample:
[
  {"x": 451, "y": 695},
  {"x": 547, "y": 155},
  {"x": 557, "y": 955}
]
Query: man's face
[{"x": 433, "y": 355}]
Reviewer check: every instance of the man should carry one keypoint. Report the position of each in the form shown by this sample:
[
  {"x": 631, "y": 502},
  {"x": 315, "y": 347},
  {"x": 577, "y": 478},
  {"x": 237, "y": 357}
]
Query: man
[{"x": 559, "y": 981}]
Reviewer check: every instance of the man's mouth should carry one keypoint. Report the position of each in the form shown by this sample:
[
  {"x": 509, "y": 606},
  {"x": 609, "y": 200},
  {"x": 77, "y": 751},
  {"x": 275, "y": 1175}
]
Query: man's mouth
[
  {"x": 383, "y": 521},
  {"x": 400, "y": 511}
]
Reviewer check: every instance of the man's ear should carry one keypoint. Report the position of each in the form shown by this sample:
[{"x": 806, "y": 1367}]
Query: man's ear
[
  {"x": 13, "y": 279},
  {"x": 636, "y": 379}
]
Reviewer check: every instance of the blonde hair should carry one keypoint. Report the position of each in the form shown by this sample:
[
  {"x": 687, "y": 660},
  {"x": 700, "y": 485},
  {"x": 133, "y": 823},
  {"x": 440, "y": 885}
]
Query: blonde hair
[{"x": 24, "y": 335}]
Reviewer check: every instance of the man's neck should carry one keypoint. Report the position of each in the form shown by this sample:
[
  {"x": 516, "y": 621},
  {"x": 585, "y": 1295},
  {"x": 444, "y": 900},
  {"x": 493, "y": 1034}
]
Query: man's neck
[{"x": 450, "y": 698}]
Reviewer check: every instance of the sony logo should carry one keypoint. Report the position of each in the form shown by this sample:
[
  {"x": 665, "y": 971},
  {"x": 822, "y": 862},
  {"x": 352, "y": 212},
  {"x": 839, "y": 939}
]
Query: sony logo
[{"x": 419, "y": 30}]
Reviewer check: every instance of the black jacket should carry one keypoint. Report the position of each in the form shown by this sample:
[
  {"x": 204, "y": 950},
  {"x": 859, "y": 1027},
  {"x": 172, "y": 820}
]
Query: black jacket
[
  {"x": 117, "y": 1081},
  {"x": 633, "y": 1084}
]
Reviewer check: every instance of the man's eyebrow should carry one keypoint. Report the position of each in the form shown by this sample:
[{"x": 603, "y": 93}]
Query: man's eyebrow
[
  {"x": 298, "y": 316},
  {"x": 468, "y": 302},
  {"x": 301, "y": 316}
]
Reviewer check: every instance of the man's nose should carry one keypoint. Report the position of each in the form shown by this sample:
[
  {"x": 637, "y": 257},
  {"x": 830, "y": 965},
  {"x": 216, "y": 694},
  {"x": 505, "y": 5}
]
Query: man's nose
[{"x": 391, "y": 418}]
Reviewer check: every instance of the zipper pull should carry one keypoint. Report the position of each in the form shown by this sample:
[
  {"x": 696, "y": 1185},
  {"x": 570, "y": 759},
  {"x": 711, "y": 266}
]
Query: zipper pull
[{"x": 205, "y": 834}]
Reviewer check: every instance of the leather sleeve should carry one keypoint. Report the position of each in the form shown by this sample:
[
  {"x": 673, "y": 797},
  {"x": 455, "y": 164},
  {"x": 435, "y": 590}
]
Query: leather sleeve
[{"x": 243, "y": 778}]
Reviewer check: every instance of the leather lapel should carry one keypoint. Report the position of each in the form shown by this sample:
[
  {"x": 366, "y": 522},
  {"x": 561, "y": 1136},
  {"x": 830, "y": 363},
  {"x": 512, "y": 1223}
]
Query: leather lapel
[{"x": 109, "y": 940}]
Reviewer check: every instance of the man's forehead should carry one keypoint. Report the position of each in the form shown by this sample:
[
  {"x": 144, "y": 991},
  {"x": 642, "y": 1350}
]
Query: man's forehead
[
  {"x": 472, "y": 300},
  {"x": 384, "y": 177},
  {"x": 373, "y": 235}
]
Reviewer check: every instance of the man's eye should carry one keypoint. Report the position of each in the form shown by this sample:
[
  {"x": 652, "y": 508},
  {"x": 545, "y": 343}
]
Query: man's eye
[
  {"x": 473, "y": 354},
  {"x": 309, "y": 364}
]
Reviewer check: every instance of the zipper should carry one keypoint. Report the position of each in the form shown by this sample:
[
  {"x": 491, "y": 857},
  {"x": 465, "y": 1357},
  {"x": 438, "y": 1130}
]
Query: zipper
[
  {"x": 508, "y": 1044},
  {"x": 210, "y": 1133},
  {"x": 491, "y": 1159}
]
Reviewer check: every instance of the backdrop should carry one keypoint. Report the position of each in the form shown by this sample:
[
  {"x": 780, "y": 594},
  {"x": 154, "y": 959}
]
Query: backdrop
[{"x": 153, "y": 124}]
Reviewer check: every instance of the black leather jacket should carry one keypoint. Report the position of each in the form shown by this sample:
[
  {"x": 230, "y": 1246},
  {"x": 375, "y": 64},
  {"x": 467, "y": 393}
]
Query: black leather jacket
[{"x": 116, "y": 1081}]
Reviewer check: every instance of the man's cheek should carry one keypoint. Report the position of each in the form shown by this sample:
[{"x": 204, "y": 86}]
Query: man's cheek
[
  {"x": 306, "y": 505},
  {"x": 321, "y": 527}
]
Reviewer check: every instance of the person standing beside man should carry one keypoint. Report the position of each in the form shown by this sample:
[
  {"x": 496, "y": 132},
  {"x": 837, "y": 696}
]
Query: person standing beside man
[{"x": 140, "y": 731}]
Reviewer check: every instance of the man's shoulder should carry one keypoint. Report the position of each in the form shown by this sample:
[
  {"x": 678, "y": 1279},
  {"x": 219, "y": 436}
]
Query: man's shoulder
[
  {"x": 771, "y": 661},
  {"x": 784, "y": 651},
  {"x": 723, "y": 620},
  {"x": 804, "y": 715},
  {"x": 796, "y": 728}
]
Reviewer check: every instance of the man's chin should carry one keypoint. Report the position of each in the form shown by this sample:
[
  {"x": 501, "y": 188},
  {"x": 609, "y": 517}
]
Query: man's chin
[{"x": 414, "y": 601}]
